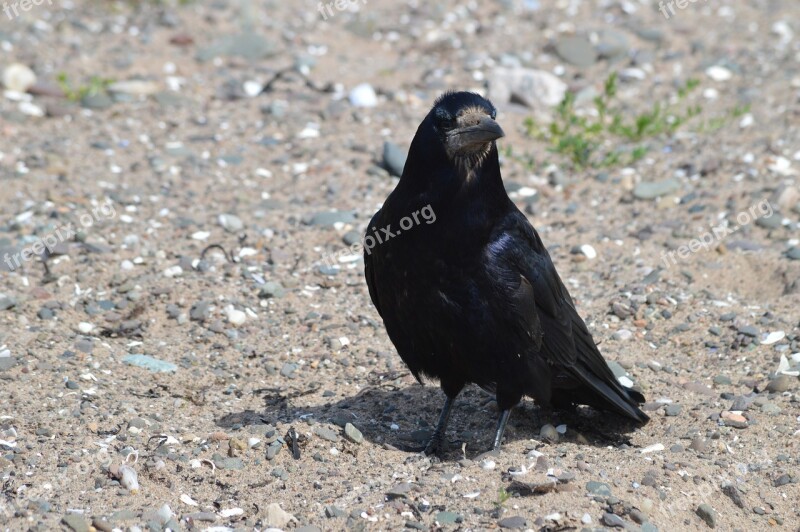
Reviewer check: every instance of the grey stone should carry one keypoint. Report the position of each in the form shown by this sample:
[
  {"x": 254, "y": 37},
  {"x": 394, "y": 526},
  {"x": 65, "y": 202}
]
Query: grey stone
[
  {"x": 7, "y": 302},
  {"x": 398, "y": 491},
  {"x": 349, "y": 238},
  {"x": 612, "y": 44},
  {"x": 734, "y": 494},
  {"x": 707, "y": 514},
  {"x": 617, "y": 369},
  {"x": 672, "y": 410},
  {"x": 329, "y": 218},
  {"x": 200, "y": 311},
  {"x": 576, "y": 50},
  {"x": 770, "y": 222},
  {"x": 231, "y": 223},
  {"x": 783, "y": 480},
  {"x": 76, "y": 522},
  {"x": 271, "y": 289},
  {"x": 598, "y": 488},
  {"x": 394, "y": 158},
  {"x": 654, "y": 189},
  {"x": 6, "y": 363},
  {"x": 123, "y": 515},
  {"x": 169, "y": 99},
  {"x": 516, "y": 522},
  {"x": 649, "y": 34},
  {"x": 548, "y": 433},
  {"x": 448, "y": 518},
  {"x": 97, "y": 101},
  {"x": 273, "y": 449},
  {"x": 150, "y": 363},
  {"x": 325, "y": 433},
  {"x": 749, "y": 330},
  {"x": 699, "y": 444},
  {"x": 248, "y": 45},
  {"x": 288, "y": 370},
  {"x": 782, "y": 383},
  {"x": 613, "y": 520},
  {"x": 332, "y": 511},
  {"x": 526, "y": 86},
  {"x": 233, "y": 464},
  {"x": 353, "y": 434}
]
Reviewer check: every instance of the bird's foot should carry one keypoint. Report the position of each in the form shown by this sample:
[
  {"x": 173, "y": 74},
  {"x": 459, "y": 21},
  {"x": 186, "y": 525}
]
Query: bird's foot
[{"x": 437, "y": 446}]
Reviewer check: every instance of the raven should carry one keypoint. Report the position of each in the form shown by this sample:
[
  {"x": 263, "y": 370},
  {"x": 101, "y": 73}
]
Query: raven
[{"x": 474, "y": 296}]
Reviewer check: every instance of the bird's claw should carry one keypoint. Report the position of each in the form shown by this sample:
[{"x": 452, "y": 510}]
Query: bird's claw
[{"x": 437, "y": 446}]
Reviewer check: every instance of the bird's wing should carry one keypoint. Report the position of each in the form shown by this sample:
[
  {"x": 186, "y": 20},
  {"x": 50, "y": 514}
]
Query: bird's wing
[
  {"x": 516, "y": 251},
  {"x": 566, "y": 341}
]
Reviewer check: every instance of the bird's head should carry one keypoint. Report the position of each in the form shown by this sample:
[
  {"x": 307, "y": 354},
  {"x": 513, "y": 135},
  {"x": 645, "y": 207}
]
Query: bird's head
[{"x": 466, "y": 127}]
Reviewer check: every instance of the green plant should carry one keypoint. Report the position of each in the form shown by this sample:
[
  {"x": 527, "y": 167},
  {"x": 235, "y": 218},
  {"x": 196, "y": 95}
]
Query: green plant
[
  {"x": 96, "y": 85},
  {"x": 502, "y": 497},
  {"x": 581, "y": 138}
]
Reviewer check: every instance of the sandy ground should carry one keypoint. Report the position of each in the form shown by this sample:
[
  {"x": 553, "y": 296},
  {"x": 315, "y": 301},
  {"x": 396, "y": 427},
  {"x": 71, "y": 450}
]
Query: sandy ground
[{"x": 260, "y": 359}]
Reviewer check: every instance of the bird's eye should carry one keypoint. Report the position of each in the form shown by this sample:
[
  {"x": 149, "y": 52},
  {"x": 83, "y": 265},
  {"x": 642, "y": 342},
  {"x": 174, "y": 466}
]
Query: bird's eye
[
  {"x": 444, "y": 119},
  {"x": 493, "y": 114}
]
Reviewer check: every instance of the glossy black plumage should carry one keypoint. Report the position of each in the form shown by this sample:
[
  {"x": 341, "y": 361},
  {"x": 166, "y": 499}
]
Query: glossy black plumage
[{"x": 474, "y": 297}]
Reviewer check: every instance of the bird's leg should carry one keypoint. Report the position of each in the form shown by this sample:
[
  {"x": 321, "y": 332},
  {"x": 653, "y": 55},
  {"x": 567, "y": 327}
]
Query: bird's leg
[
  {"x": 501, "y": 428},
  {"x": 437, "y": 441}
]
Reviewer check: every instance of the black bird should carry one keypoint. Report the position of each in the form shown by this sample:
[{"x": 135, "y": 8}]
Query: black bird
[{"x": 472, "y": 296}]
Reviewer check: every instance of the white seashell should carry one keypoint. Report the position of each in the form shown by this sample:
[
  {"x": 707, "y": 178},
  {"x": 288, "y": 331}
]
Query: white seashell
[
  {"x": 653, "y": 448},
  {"x": 185, "y": 499},
  {"x": 773, "y": 337},
  {"x": 128, "y": 478}
]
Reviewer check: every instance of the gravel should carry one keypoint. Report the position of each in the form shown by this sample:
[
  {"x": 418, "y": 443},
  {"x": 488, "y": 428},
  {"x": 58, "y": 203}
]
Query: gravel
[{"x": 211, "y": 329}]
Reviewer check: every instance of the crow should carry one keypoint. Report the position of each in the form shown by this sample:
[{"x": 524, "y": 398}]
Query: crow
[{"x": 473, "y": 296}]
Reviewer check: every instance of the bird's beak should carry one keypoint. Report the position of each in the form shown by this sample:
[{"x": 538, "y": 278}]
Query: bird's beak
[{"x": 476, "y": 132}]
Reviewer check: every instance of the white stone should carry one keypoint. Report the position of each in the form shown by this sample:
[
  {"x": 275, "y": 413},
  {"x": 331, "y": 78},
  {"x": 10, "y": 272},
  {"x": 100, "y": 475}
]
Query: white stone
[
  {"x": 530, "y": 86},
  {"x": 363, "y": 95},
  {"x": 773, "y": 337},
  {"x": 31, "y": 109},
  {"x": 625, "y": 381},
  {"x": 235, "y": 317},
  {"x": 134, "y": 86},
  {"x": 252, "y": 88},
  {"x": 185, "y": 499},
  {"x": 719, "y": 73},
  {"x": 173, "y": 271},
  {"x": 588, "y": 251},
  {"x": 622, "y": 335},
  {"x": 18, "y": 77},
  {"x": 656, "y": 447}
]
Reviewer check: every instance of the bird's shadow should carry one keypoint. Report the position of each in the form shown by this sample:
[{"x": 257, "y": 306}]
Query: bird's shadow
[{"x": 404, "y": 418}]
